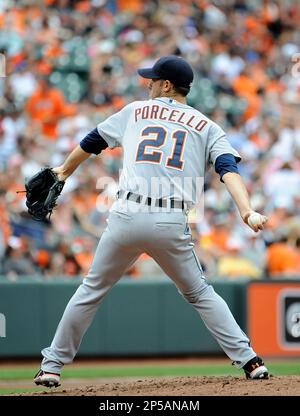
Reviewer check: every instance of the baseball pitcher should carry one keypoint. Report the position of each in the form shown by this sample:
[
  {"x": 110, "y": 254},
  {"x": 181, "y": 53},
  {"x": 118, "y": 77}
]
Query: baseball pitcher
[{"x": 167, "y": 144}]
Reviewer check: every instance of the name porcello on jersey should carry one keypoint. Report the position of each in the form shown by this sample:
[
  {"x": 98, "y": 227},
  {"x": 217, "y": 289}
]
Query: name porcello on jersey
[{"x": 156, "y": 112}]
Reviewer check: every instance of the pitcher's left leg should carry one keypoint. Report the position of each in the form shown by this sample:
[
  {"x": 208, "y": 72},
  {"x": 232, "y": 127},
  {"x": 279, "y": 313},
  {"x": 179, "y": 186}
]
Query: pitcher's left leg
[{"x": 110, "y": 262}]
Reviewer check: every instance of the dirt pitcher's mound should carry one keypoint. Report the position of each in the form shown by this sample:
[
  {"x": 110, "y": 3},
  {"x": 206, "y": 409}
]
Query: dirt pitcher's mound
[{"x": 182, "y": 386}]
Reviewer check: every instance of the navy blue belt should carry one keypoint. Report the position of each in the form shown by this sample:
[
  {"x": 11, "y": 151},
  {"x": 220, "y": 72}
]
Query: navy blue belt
[{"x": 157, "y": 202}]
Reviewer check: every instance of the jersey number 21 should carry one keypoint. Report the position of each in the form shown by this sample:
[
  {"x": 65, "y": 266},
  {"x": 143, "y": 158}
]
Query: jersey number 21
[{"x": 174, "y": 161}]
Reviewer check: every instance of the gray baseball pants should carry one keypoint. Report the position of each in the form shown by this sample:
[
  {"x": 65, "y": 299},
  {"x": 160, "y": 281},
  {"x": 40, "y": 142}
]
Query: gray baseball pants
[{"x": 166, "y": 238}]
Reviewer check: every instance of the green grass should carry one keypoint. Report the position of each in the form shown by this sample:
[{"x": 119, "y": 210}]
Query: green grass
[
  {"x": 138, "y": 371},
  {"x": 4, "y": 392},
  {"x": 277, "y": 368}
]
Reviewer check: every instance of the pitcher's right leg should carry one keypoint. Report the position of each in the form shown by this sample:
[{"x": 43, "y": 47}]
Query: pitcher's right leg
[{"x": 178, "y": 259}]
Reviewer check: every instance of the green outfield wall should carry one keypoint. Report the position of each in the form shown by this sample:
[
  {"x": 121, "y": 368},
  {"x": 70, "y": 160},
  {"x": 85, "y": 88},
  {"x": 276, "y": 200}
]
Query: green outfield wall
[{"x": 137, "y": 318}]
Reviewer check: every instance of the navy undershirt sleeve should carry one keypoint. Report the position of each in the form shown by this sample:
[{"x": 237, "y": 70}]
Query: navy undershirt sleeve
[
  {"x": 93, "y": 142},
  {"x": 226, "y": 163}
]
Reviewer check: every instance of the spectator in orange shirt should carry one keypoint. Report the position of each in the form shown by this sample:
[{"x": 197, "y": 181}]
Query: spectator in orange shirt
[
  {"x": 134, "y": 6},
  {"x": 46, "y": 107},
  {"x": 244, "y": 85},
  {"x": 216, "y": 240},
  {"x": 282, "y": 260},
  {"x": 247, "y": 87}
]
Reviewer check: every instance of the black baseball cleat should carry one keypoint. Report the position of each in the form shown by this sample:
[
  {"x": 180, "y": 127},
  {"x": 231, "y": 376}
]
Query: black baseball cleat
[
  {"x": 255, "y": 369},
  {"x": 42, "y": 378}
]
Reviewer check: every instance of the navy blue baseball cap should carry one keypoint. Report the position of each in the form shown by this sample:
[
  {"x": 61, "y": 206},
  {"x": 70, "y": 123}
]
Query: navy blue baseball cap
[{"x": 171, "y": 67}]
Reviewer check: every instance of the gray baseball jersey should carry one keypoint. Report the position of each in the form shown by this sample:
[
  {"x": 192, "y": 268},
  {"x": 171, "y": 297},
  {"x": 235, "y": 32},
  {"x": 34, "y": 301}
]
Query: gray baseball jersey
[
  {"x": 171, "y": 141},
  {"x": 167, "y": 147}
]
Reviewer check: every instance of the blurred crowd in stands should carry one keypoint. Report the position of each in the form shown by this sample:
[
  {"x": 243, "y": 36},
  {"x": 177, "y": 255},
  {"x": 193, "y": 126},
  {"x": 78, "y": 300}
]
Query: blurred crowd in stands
[{"x": 70, "y": 64}]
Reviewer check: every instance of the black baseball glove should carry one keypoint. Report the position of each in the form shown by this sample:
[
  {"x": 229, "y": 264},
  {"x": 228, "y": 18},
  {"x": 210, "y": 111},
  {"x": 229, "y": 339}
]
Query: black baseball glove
[{"x": 42, "y": 191}]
